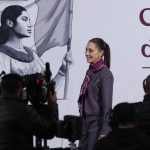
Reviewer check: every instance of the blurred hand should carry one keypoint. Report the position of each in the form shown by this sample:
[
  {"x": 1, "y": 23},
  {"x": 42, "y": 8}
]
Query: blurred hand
[
  {"x": 53, "y": 97},
  {"x": 101, "y": 137}
]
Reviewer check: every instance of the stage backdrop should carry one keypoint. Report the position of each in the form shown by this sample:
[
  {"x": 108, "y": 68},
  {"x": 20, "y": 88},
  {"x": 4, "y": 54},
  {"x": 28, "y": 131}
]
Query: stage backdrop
[{"x": 125, "y": 26}]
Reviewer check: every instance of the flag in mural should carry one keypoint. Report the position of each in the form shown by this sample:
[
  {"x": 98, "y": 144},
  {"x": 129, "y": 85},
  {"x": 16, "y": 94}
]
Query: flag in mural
[{"x": 52, "y": 25}]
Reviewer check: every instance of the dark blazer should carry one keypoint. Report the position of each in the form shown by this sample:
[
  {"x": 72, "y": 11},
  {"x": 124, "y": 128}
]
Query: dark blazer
[{"x": 98, "y": 98}]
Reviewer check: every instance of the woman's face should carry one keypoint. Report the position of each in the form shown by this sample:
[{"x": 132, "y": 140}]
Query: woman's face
[
  {"x": 23, "y": 25},
  {"x": 92, "y": 53}
]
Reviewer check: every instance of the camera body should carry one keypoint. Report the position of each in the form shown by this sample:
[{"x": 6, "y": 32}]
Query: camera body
[{"x": 38, "y": 88}]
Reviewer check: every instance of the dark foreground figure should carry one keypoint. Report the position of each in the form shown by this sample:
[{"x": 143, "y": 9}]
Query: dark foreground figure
[
  {"x": 19, "y": 121},
  {"x": 124, "y": 134}
]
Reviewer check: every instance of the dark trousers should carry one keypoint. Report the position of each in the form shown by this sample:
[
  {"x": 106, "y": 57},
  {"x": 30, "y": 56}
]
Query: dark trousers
[{"x": 90, "y": 133}]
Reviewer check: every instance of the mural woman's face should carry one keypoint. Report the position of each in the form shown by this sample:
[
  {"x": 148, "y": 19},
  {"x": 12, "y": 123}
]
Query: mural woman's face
[
  {"x": 23, "y": 25},
  {"x": 92, "y": 53}
]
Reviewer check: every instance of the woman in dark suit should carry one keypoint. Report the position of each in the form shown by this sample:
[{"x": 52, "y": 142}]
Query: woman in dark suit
[{"x": 95, "y": 100}]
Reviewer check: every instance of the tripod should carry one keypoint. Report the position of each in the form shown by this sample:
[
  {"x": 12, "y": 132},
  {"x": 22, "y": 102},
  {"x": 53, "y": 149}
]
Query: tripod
[
  {"x": 72, "y": 145},
  {"x": 69, "y": 129},
  {"x": 41, "y": 144}
]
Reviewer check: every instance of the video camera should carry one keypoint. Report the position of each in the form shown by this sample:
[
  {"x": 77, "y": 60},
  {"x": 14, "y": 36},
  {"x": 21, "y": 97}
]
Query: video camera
[{"x": 38, "y": 86}]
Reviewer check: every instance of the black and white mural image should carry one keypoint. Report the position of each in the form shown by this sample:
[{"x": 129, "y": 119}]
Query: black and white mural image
[{"x": 29, "y": 30}]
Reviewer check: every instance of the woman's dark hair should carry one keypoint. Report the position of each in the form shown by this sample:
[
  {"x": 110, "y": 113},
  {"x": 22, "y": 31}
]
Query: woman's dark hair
[
  {"x": 102, "y": 45},
  {"x": 11, "y": 13}
]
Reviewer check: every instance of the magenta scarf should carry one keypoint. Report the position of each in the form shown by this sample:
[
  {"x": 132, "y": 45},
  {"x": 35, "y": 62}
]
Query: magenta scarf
[{"x": 89, "y": 74}]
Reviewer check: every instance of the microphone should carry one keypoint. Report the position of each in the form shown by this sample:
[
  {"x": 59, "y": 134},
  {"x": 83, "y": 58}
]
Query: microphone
[
  {"x": 50, "y": 83},
  {"x": 48, "y": 72}
]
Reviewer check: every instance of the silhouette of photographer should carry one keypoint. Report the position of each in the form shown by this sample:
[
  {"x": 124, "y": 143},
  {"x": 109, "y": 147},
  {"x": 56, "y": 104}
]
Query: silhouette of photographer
[{"x": 19, "y": 121}]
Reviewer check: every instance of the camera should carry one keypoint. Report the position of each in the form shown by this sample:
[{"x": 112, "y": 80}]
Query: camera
[{"x": 38, "y": 86}]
